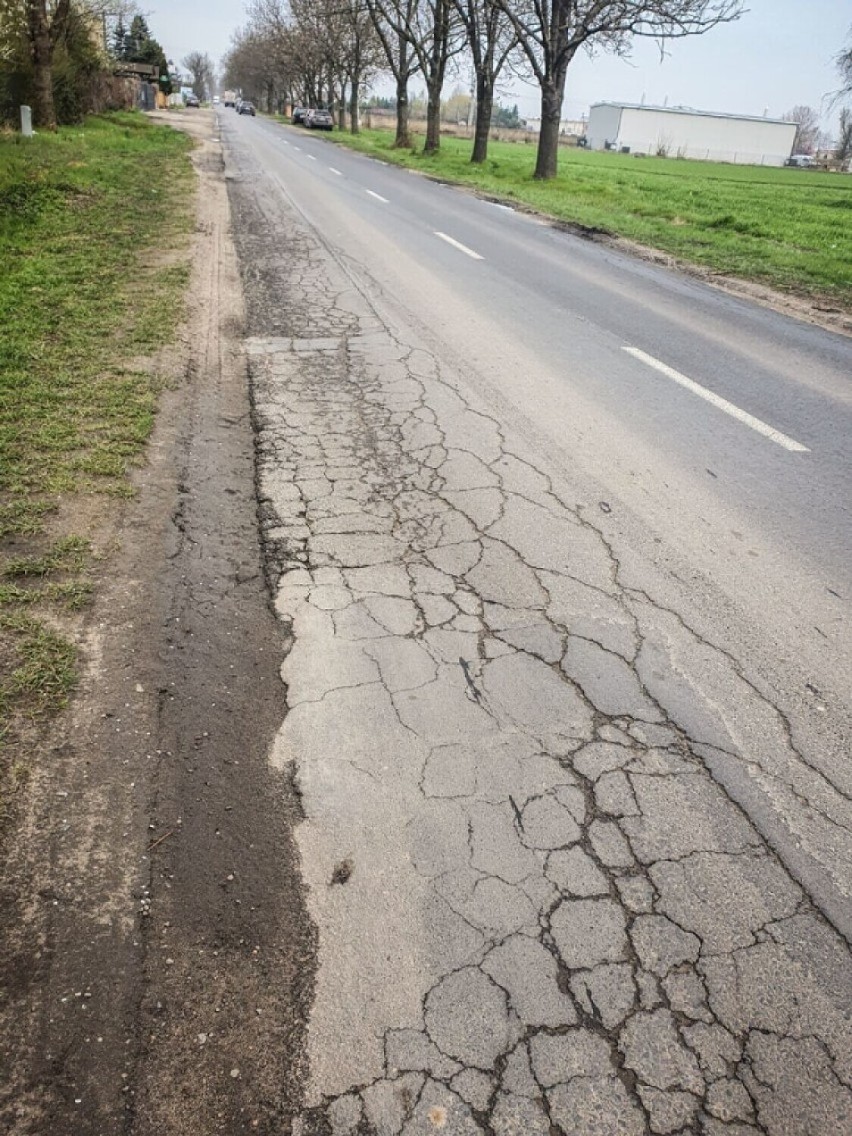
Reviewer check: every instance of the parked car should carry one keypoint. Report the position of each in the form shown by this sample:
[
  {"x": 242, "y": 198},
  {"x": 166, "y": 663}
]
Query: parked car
[
  {"x": 246, "y": 107},
  {"x": 299, "y": 115},
  {"x": 319, "y": 120},
  {"x": 803, "y": 161},
  {"x": 192, "y": 101}
]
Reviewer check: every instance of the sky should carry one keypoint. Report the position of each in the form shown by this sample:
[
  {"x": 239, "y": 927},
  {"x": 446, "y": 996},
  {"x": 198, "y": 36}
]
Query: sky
[{"x": 780, "y": 54}]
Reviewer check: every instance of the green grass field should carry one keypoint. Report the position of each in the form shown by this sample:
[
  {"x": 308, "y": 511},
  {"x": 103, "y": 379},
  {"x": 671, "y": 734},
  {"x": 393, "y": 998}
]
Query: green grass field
[
  {"x": 94, "y": 242},
  {"x": 790, "y": 229}
]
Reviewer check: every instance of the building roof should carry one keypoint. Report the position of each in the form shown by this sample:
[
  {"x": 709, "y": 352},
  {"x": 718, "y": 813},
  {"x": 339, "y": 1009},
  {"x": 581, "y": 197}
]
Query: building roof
[{"x": 692, "y": 111}]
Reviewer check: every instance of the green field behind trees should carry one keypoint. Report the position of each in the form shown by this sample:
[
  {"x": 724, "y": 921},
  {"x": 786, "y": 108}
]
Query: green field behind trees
[{"x": 790, "y": 229}]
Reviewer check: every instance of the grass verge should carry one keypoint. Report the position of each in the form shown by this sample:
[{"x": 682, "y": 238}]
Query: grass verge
[
  {"x": 94, "y": 239},
  {"x": 789, "y": 229}
]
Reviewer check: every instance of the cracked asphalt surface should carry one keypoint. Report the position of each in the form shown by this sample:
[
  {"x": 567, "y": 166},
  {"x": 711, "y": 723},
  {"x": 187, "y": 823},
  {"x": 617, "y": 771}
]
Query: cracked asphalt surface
[{"x": 543, "y": 878}]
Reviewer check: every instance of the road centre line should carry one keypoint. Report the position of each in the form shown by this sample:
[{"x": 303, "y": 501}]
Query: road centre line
[
  {"x": 311, "y": 158},
  {"x": 457, "y": 244},
  {"x": 720, "y": 403},
  {"x": 378, "y": 197},
  {"x": 334, "y": 171}
]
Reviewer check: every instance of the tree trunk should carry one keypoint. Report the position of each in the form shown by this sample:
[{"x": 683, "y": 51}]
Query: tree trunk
[
  {"x": 41, "y": 50},
  {"x": 484, "y": 110},
  {"x": 403, "y": 136},
  {"x": 433, "y": 121},
  {"x": 354, "y": 120},
  {"x": 548, "y": 140}
]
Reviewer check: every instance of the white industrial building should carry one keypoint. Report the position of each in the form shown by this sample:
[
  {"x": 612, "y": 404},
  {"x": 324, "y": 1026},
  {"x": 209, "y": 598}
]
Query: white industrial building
[{"x": 678, "y": 132}]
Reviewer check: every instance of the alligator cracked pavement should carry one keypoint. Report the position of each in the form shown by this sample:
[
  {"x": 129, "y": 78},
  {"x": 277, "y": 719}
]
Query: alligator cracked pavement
[{"x": 535, "y": 843}]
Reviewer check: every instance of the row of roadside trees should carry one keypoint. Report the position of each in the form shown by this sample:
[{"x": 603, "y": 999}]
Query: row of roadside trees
[{"x": 326, "y": 51}]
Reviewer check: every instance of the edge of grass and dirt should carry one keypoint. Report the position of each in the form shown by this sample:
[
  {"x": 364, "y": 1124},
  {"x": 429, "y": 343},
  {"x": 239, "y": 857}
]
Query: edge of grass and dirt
[
  {"x": 138, "y": 867},
  {"x": 760, "y": 233},
  {"x": 95, "y": 226}
]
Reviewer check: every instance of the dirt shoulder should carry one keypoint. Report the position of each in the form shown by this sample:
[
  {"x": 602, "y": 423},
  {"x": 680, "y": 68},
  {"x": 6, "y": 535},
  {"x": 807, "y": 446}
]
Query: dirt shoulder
[
  {"x": 820, "y": 313},
  {"x": 156, "y": 956}
]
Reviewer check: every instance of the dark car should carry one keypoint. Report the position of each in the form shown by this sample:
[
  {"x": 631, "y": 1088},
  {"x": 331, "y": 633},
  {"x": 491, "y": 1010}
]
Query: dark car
[
  {"x": 319, "y": 120},
  {"x": 192, "y": 101},
  {"x": 246, "y": 107},
  {"x": 299, "y": 115}
]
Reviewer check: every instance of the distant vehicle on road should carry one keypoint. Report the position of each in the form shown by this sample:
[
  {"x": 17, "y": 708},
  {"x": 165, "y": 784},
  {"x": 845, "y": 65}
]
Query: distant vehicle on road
[
  {"x": 803, "y": 161},
  {"x": 192, "y": 101},
  {"x": 299, "y": 115},
  {"x": 215, "y": 100},
  {"x": 229, "y": 98},
  {"x": 246, "y": 107},
  {"x": 319, "y": 120}
]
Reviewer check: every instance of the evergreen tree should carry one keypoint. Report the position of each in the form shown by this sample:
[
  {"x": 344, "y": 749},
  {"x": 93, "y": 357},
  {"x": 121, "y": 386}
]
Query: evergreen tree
[
  {"x": 141, "y": 47},
  {"x": 136, "y": 39},
  {"x": 119, "y": 39}
]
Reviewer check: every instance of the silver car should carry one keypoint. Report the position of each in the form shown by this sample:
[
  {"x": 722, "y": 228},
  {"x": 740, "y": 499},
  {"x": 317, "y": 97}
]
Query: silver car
[{"x": 319, "y": 120}]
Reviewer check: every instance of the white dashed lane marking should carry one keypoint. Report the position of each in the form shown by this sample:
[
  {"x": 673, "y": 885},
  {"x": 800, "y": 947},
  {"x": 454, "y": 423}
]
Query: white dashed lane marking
[
  {"x": 720, "y": 403},
  {"x": 457, "y": 244},
  {"x": 378, "y": 197}
]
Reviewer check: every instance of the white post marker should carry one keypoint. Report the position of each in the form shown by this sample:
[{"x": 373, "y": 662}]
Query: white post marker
[
  {"x": 719, "y": 402},
  {"x": 457, "y": 244}
]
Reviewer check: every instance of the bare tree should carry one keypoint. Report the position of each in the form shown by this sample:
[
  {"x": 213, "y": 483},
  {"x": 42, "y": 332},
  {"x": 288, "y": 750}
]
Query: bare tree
[
  {"x": 434, "y": 33},
  {"x": 551, "y": 32},
  {"x": 844, "y": 66},
  {"x": 399, "y": 53},
  {"x": 317, "y": 26},
  {"x": 288, "y": 53},
  {"x": 203, "y": 73},
  {"x": 807, "y": 128},
  {"x": 344, "y": 36},
  {"x": 361, "y": 53},
  {"x": 251, "y": 66},
  {"x": 491, "y": 39},
  {"x": 844, "y": 137}
]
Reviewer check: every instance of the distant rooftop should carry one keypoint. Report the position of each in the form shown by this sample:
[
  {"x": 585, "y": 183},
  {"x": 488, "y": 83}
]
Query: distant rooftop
[{"x": 692, "y": 110}]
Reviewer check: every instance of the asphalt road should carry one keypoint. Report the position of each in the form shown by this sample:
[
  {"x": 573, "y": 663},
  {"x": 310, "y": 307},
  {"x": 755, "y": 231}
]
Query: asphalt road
[
  {"x": 552, "y": 321},
  {"x": 563, "y": 542}
]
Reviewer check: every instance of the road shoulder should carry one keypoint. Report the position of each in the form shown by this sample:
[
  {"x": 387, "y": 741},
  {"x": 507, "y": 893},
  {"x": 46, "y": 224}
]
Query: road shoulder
[{"x": 152, "y": 984}]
